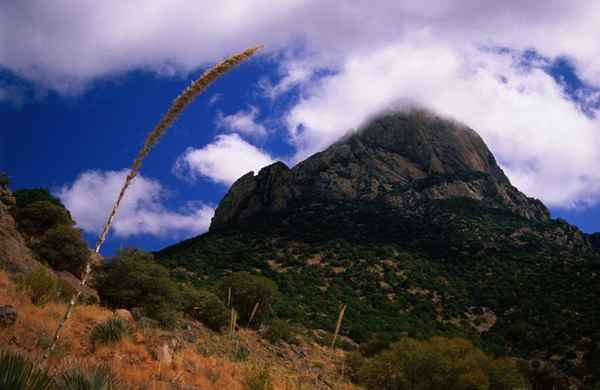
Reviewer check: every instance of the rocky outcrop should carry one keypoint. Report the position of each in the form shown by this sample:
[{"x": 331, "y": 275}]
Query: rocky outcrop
[
  {"x": 8, "y": 315},
  {"x": 15, "y": 256},
  {"x": 401, "y": 161}
]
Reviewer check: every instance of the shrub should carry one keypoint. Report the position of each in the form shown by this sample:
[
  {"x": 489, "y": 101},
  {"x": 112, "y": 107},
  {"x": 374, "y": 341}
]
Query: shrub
[
  {"x": 42, "y": 287},
  {"x": 205, "y": 307},
  {"x": 440, "y": 363},
  {"x": 246, "y": 291},
  {"x": 257, "y": 378},
  {"x": 18, "y": 373},
  {"x": 63, "y": 248},
  {"x": 96, "y": 378},
  {"x": 280, "y": 330},
  {"x": 109, "y": 331},
  {"x": 134, "y": 279},
  {"x": 37, "y": 217}
]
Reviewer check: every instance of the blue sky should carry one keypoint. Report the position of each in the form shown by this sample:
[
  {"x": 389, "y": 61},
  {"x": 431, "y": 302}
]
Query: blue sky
[{"x": 77, "y": 102}]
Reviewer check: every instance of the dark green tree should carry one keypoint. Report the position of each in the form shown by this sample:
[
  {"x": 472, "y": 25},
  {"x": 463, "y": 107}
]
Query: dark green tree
[
  {"x": 134, "y": 279},
  {"x": 35, "y": 218},
  {"x": 246, "y": 291},
  {"x": 63, "y": 248}
]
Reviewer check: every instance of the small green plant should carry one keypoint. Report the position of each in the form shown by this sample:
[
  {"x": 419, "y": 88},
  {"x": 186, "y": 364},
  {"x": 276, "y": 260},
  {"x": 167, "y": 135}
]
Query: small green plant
[
  {"x": 240, "y": 354},
  {"x": 109, "y": 331},
  {"x": 257, "y": 378},
  {"x": 95, "y": 378},
  {"x": 40, "y": 285},
  {"x": 280, "y": 330},
  {"x": 18, "y": 373}
]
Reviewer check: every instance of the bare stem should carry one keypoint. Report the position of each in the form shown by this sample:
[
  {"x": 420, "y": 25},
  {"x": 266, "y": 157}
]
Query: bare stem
[{"x": 179, "y": 104}]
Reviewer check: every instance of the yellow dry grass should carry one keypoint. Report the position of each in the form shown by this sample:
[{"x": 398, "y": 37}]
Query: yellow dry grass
[{"x": 201, "y": 357}]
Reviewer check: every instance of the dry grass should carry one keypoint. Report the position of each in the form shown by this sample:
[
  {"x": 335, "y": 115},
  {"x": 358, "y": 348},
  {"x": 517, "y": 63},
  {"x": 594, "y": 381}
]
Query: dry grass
[{"x": 201, "y": 357}]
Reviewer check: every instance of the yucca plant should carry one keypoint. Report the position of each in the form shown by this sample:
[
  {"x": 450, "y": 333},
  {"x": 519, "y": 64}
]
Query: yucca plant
[
  {"x": 179, "y": 104},
  {"x": 109, "y": 331},
  {"x": 94, "y": 378},
  {"x": 18, "y": 373}
]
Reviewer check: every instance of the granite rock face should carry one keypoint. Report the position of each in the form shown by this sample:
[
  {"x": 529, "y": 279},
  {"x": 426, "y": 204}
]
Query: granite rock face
[
  {"x": 400, "y": 160},
  {"x": 15, "y": 256}
]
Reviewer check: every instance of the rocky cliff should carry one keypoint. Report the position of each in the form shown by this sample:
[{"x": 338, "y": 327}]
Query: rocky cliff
[
  {"x": 15, "y": 256},
  {"x": 401, "y": 161}
]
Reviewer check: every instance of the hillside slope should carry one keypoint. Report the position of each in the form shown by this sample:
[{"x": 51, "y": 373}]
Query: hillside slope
[{"x": 412, "y": 224}]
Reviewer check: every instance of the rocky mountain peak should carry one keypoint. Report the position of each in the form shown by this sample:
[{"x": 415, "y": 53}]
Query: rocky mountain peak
[{"x": 400, "y": 160}]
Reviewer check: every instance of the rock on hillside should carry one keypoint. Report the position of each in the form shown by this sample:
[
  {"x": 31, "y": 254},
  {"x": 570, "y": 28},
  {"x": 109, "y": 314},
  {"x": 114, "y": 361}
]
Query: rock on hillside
[
  {"x": 401, "y": 161},
  {"x": 15, "y": 256}
]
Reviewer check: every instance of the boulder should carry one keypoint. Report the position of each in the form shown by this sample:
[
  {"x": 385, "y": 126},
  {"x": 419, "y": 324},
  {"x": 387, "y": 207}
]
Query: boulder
[
  {"x": 164, "y": 355},
  {"x": 15, "y": 256},
  {"x": 124, "y": 315},
  {"x": 8, "y": 315}
]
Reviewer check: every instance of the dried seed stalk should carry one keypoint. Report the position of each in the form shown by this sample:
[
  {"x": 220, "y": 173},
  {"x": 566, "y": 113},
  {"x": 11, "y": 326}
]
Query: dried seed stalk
[
  {"x": 338, "y": 325},
  {"x": 179, "y": 104}
]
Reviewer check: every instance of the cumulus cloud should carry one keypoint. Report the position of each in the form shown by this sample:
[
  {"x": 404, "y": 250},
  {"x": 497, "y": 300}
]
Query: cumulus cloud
[
  {"x": 90, "y": 198},
  {"x": 244, "y": 122},
  {"x": 372, "y": 55},
  {"x": 70, "y": 42},
  {"x": 546, "y": 143},
  {"x": 222, "y": 161}
]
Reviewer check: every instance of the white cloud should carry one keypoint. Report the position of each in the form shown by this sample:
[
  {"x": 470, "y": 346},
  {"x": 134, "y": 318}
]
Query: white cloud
[
  {"x": 242, "y": 122},
  {"x": 214, "y": 99},
  {"x": 547, "y": 145},
  {"x": 90, "y": 198},
  {"x": 380, "y": 53},
  {"x": 64, "y": 44},
  {"x": 223, "y": 161}
]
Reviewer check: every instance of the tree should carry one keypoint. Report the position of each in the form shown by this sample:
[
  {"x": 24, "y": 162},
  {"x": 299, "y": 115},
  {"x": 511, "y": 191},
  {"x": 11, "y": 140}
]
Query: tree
[
  {"x": 205, "y": 307},
  {"x": 246, "y": 291},
  {"x": 134, "y": 279},
  {"x": 438, "y": 364},
  {"x": 37, "y": 217},
  {"x": 63, "y": 248},
  {"x": 28, "y": 196}
]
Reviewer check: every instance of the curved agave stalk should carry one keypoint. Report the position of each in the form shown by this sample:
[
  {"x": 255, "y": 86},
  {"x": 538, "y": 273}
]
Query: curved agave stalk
[{"x": 179, "y": 104}]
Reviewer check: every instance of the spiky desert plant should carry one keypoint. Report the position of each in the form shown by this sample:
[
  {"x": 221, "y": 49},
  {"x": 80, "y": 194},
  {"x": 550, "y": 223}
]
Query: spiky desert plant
[
  {"x": 94, "y": 378},
  {"x": 18, "y": 373},
  {"x": 179, "y": 104},
  {"x": 338, "y": 325},
  {"x": 109, "y": 331}
]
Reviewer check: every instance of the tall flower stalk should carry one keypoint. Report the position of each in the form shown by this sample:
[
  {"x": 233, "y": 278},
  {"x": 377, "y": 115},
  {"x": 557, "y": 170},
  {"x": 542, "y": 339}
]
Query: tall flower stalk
[{"x": 179, "y": 104}]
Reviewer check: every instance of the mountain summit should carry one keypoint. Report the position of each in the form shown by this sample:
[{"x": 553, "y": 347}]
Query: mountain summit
[
  {"x": 412, "y": 225},
  {"x": 400, "y": 160}
]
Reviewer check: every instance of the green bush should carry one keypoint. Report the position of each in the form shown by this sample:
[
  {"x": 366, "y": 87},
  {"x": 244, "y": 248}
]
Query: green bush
[
  {"x": 134, "y": 280},
  {"x": 18, "y": 373},
  {"x": 280, "y": 330},
  {"x": 96, "y": 378},
  {"x": 246, "y": 291},
  {"x": 109, "y": 331},
  {"x": 41, "y": 286},
  {"x": 205, "y": 307},
  {"x": 37, "y": 217},
  {"x": 257, "y": 378},
  {"x": 437, "y": 364},
  {"x": 63, "y": 248}
]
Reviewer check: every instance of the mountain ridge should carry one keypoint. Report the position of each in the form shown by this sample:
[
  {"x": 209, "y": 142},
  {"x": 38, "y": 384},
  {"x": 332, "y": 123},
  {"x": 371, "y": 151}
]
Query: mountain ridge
[{"x": 397, "y": 160}]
